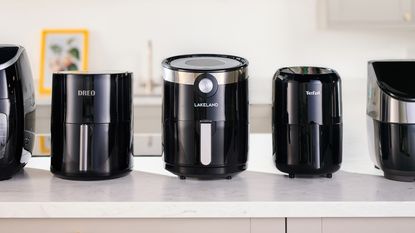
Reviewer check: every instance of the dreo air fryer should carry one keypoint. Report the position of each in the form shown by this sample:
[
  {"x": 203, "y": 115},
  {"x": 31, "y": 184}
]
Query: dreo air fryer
[{"x": 91, "y": 125}]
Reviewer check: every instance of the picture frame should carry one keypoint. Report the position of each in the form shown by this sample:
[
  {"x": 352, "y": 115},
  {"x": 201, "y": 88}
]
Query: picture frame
[
  {"x": 44, "y": 145},
  {"x": 61, "y": 50}
]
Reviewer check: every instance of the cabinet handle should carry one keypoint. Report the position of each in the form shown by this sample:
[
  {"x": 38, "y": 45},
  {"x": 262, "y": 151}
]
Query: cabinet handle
[{"x": 407, "y": 17}]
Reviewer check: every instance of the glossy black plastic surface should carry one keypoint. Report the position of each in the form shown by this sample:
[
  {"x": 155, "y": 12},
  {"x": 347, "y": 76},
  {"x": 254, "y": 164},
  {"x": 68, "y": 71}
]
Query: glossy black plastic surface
[
  {"x": 395, "y": 150},
  {"x": 181, "y": 129},
  {"x": 17, "y": 110},
  {"x": 108, "y": 100},
  {"x": 109, "y": 151},
  {"x": 307, "y": 121},
  {"x": 232, "y": 102},
  {"x": 392, "y": 77},
  {"x": 304, "y": 98},
  {"x": 103, "y": 104},
  {"x": 298, "y": 150}
]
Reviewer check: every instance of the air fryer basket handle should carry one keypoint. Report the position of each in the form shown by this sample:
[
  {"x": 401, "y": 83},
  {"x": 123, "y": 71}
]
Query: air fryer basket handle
[{"x": 315, "y": 145}]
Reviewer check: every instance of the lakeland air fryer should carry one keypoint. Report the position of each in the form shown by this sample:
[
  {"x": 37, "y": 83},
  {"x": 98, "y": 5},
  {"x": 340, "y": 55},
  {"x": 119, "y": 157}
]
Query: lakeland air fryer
[{"x": 205, "y": 115}]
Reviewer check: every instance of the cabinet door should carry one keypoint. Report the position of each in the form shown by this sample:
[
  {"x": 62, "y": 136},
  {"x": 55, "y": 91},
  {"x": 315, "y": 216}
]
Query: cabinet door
[
  {"x": 267, "y": 225},
  {"x": 124, "y": 225},
  {"x": 370, "y": 12},
  {"x": 304, "y": 225},
  {"x": 368, "y": 225}
]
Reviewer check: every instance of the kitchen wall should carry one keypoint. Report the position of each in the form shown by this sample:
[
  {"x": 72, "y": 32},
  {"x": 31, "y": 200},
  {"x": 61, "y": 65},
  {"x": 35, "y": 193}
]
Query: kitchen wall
[{"x": 270, "y": 33}]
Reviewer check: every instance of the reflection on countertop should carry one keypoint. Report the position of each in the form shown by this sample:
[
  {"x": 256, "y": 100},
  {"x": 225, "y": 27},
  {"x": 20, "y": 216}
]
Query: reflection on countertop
[
  {"x": 36, "y": 193},
  {"x": 358, "y": 189}
]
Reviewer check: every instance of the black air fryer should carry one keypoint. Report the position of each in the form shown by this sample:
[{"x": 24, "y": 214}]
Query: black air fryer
[
  {"x": 391, "y": 117},
  {"x": 205, "y": 115},
  {"x": 17, "y": 110},
  {"x": 307, "y": 121},
  {"x": 91, "y": 125}
]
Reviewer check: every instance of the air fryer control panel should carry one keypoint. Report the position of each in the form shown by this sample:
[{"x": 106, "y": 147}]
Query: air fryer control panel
[{"x": 206, "y": 85}]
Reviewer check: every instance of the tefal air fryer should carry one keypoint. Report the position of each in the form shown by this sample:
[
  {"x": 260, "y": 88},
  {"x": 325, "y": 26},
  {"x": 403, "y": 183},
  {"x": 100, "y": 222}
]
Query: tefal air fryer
[
  {"x": 17, "y": 110},
  {"x": 205, "y": 115},
  {"x": 391, "y": 117},
  {"x": 91, "y": 125},
  {"x": 307, "y": 121}
]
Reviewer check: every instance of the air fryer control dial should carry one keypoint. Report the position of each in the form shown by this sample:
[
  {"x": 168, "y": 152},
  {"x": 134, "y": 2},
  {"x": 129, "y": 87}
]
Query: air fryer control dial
[{"x": 205, "y": 85}]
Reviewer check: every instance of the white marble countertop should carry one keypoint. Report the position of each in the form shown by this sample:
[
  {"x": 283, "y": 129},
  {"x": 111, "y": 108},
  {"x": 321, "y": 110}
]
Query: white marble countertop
[{"x": 357, "y": 190}]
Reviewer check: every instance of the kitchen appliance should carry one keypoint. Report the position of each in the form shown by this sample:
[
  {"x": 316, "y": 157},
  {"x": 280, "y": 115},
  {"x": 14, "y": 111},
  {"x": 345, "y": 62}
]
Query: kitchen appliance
[
  {"x": 17, "y": 110},
  {"x": 307, "y": 121},
  {"x": 91, "y": 125},
  {"x": 391, "y": 117},
  {"x": 205, "y": 115}
]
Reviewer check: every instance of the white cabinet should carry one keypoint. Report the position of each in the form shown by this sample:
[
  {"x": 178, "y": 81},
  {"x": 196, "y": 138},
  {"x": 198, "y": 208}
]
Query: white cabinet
[
  {"x": 124, "y": 225},
  {"x": 370, "y": 13},
  {"x": 304, "y": 225},
  {"x": 199, "y": 225},
  {"x": 268, "y": 225},
  {"x": 368, "y": 225},
  {"x": 209, "y": 225},
  {"x": 350, "y": 225}
]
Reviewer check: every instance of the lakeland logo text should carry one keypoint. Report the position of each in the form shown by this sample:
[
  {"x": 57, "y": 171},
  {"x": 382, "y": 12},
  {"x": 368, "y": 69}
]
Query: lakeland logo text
[
  {"x": 86, "y": 93},
  {"x": 312, "y": 92},
  {"x": 206, "y": 105}
]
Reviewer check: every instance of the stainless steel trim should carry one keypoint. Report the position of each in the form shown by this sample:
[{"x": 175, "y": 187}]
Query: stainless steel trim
[
  {"x": 83, "y": 148},
  {"x": 4, "y": 134},
  {"x": 385, "y": 108},
  {"x": 205, "y": 85},
  {"x": 26, "y": 155},
  {"x": 205, "y": 143},
  {"x": 315, "y": 146},
  {"x": 370, "y": 128},
  {"x": 189, "y": 78}
]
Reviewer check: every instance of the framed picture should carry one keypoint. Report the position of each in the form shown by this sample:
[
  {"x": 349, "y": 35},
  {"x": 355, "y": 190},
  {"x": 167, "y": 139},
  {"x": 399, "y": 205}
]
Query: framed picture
[
  {"x": 44, "y": 145},
  {"x": 61, "y": 50}
]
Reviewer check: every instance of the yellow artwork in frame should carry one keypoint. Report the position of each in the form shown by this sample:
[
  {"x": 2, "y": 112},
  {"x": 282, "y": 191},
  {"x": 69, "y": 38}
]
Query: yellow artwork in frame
[
  {"x": 44, "y": 145},
  {"x": 61, "y": 50}
]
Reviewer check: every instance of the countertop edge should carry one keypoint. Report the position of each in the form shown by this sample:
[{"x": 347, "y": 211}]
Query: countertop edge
[{"x": 205, "y": 209}]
